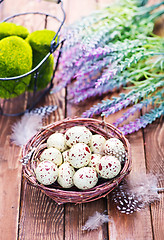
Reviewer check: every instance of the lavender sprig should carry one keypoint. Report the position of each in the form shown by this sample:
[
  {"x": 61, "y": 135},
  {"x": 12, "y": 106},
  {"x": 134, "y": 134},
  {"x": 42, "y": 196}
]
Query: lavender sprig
[
  {"x": 87, "y": 69},
  {"x": 100, "y": 59},
  {"x": 143, "y": 121},
  {"x": 133, "y": 96},
  {"x": 106, "y": 21},
  {"x": 107, "y": 107},
  {"x": 113, "y": 59},
  {"x": 98, "y": 91},
  {"x": 120, "y": 65},
  {"x": 90, "y": 91},
  {"x": 99, "y": 30},
  {"x": 152, "y": 100}
]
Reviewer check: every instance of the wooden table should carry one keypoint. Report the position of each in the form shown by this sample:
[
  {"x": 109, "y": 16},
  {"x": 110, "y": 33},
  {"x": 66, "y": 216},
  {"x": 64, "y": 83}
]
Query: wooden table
[{"x": 27, "y": 213}]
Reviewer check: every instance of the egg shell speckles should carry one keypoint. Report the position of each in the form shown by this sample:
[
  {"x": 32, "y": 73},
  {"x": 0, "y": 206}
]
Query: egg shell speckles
[
  {"x": 79, "y": 155},
  {"x": 65, "y": 155},
  {"x": 115, "y": 147},
  {"x": 77, "y": 134},
  {"x": 57, "y": 140},
  {"x": 108, "y": 167},
  {"x": 97, "y": 142},
  {"x": 46, "y": 172},
  {"x": 95, "y": 158},
  {"x": 52, "y": 154},
  {"x": 85, "y": 178},
  {"x": 66, "y": 173}
]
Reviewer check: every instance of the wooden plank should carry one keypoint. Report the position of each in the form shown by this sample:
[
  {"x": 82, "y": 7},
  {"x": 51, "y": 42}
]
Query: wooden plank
[
  {"x": 31, "y": 226},
  {"x": 10, "y": 173},
  {"x": 10, "y": 176},
  {"x": 77, "y": 215},
  {"x": 137, "y": 225},
  {"x": 120, "y": 224},
  {"x": 154, "y": 151},
  {"x": 154, "y": 147},
  {"x": 10, "y": 182},
  {"x": 10, "y": 168},
  {"x": 41, "y": 217},
  {"x": 37, "y": 211}
]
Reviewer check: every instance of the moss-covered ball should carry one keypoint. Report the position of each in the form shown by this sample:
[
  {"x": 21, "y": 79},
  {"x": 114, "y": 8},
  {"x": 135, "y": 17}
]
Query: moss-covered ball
[
  {"x": 40, "y": 42},
  {"x": 44, "y": 73},
  {"x": 11, "y": 29},
  {"x": 15, "y": 60}
]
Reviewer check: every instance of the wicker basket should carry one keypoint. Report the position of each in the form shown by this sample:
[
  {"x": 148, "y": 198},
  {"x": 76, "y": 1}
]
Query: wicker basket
[{"x": 38, "y": 143}]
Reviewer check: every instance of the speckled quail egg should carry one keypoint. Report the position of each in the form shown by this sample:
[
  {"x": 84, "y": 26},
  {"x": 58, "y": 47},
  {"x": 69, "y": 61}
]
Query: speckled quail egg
[
  {"x": 79, "y": 155},
  {"x": 77, "y": 134},
  {"x": 85, "y": 178},
  {"x": 97, "y": 142},
  {"x": 52, "y": 154},
  {"x": 94, "y": 160},
  {"x": 46, "y": 172},
  {"x": 65, "y": 177},
  {"x": 108, "y": 167},
  {"x": 65, "y": 155},
  {"x": 115, "y": 147},
  {"x": 57, "y": 140}
]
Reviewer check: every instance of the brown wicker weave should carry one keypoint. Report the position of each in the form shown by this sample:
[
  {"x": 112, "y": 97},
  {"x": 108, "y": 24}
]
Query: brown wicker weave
[{"x": 74, "y": 195}]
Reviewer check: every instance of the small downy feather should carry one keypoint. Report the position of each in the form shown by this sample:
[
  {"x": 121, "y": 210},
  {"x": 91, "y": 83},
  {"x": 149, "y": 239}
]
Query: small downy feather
[
  {"x": 24, "y": 129},
  {"x": 135, "y": 193},
  {"x": 29, "y": 124},
  {"x": 95, "y": 221}
]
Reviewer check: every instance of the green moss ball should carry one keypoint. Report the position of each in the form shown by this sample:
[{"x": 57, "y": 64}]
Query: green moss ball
[
  {"x": 15, "y": 60},
  {"x": 11, "y": 29},
  {"x": 40, "y": 40},
  {"x": 45, "y": 71}
]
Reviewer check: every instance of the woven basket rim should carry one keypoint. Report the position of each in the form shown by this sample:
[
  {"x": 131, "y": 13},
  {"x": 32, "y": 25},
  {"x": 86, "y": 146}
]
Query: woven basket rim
[{"x": 61, "y": 195}]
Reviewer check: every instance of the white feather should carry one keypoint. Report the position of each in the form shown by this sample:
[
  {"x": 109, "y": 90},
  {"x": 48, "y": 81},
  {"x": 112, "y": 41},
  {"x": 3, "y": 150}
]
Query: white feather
[
  {"x": 144, "y": 187},
  {"x": 95, "y": 221},
  {"x": 25, "y": 128},
  {"x": 136, "y": 192}
]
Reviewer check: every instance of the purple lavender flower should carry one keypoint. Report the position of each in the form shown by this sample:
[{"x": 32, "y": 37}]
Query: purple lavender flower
[
  {"x": 91, "y": 91},
  {"x": 107, "y": 75},
  {"x": 98, "y": 109},
  {"x": 143, "y": 121},
  {"x": 137, "y": 107},
  {"x": 96, "y": 53},
  {"x": 123, "y": 103},
  {"x": 126, "y": 115}
]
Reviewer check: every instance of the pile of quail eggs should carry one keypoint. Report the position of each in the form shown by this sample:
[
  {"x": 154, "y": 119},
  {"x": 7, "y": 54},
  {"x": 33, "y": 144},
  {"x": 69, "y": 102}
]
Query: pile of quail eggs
[{"x": 79, "y": 158}]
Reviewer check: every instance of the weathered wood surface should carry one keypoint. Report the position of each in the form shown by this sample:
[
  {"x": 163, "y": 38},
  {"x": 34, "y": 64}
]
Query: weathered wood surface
[{"x": 27, "y": 214}]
